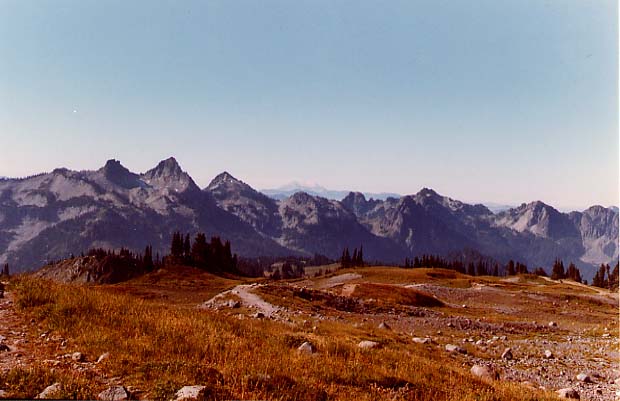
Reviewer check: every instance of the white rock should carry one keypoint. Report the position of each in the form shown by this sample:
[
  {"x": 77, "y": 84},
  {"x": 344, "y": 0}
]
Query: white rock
[
  {"x": 103, "y": 357},
  {"x": 77, "y": 356},
  {"x": 568, "y": 393},
  {"x": 484, "y": 372},
  {"x": 455, "y": 348},
  {"x": 306, "y": 348},
  {"x": 420, "y": 340},
  {"x": 507, "y": 354},
  {"x": 50, "y": 391},
  {"x": 368, "y": 344},
  {"x": 553, "y": 324},
  {"x": 582, "y": 377},
  {"x": 189, "y": 393},
  {"x": 114, "y": 393},
  {"x": 548, "y": 354},
  {"x": 384, "y": 326}
]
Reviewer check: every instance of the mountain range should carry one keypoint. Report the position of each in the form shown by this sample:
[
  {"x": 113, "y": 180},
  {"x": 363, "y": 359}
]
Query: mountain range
[
  {"x": 49, "y": 216},
  {"x": 287, "y": 190}
]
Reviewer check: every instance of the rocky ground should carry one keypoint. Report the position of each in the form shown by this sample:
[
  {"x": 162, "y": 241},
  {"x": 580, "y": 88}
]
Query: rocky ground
[
  {"x": 543, "y": 334},
  {"x": 540, "y": 353}
]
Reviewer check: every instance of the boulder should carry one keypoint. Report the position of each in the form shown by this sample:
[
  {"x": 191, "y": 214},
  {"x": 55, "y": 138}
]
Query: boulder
[
  {"x": 103, "y": 357},
  {"x": 189, "y": 393},
  {"x": 114, "y": 393},
  {"x": 4, "y": 348},
  {"x": 50, "y": 392},
  {"x": 306, "y": 348},
  {"x": 553, "y": 324},
  {"x": 569, "y": 393},
  {"x": 455, "y": 348},
  {"x": 484, "y": 372},
  {"x": 233, "y": 304},
  {"x": 548, "y": 354},
  {"x": 258, "y": 315},
  {"x": 582, "y": 377},
  {"x": 384, "y": 326},
  {"x": 422, "y": 340},
  {"x": 368, "y": 344},
  {"x": 507, "y": 354},
  {"x": 77, "y": 356}
]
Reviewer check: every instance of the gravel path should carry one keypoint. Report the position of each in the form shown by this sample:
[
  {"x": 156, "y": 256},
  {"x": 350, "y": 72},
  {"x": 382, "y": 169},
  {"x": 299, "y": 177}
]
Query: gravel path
[{"x": 247, "y": 298}]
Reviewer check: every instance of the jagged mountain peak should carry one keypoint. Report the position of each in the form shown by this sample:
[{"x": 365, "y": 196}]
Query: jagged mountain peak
[
  {"x": 169, "y": 174},
  {"x": 167, "y": 166},
  {"x": 226, "y": 179},
  {"x": 428, "y": 192},
  {"x": 355, "y": 197},
  {"x": 118, "y": 174}
]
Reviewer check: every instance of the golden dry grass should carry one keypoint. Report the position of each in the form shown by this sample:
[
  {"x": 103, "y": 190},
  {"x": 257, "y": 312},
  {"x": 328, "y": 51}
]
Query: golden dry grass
[{"x": 159, "y": 347}]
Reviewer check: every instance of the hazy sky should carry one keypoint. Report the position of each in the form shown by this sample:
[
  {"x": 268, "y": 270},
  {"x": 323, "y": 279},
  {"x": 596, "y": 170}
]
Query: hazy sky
[{"x": 504, "y": 101}]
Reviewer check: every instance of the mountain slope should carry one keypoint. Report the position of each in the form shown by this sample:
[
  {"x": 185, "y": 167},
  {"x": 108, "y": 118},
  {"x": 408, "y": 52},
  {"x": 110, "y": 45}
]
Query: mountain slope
[{"x": 52, "y": 215}]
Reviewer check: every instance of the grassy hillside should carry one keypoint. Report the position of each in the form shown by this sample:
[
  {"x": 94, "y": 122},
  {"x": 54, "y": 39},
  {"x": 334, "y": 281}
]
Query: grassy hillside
[{"x": 159, "y": 341}]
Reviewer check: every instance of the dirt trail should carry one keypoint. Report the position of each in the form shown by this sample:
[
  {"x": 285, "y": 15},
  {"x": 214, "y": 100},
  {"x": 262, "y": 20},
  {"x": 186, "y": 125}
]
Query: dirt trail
[
  {"x": 13, "y": 341},
  {"x": 339, "y": 279},
  {"x": 247, "y": 298}
]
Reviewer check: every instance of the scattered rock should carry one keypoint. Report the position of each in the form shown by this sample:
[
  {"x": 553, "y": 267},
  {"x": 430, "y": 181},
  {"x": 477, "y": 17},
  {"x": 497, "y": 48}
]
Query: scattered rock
[
  {"x": 103, "y": 357},
  {"x": 368, "y": 344},
  {"x": 548, "y": 354},
  {"x": 455, "y": 348},
  {"x": 420, "y": 340},
  {"x": 233, "y": 304},
  {"x": 77, "y": 356},
  {"x": 189, "y": 393},
  {"x": 384, "y": 326},
  {"x": 582, "y": 377},
  {"x": 114, "y": 393},
  {"x": 50, "y": 392},
  {"x": 306, "y": 348},
  {"x": 484, "y": 372},
  {"x": 507, "y": 354},
  {"x": 569, "y": 393}
]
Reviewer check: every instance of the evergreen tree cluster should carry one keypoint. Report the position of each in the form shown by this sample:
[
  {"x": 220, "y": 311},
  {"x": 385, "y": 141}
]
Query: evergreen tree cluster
[
  {"x": 478, "y": 268},
  {"x": 257, "y": 266},
  {"x": 214, "y": 255},
  {"x": 357, "y": 260},
  {"x": 605, "y": 277},
  {"x": 136, "y": 261},
  {"x": 288, "y": 271},
  {"x": 5, "y": 270},
  {"x": 558, "y": 272}
]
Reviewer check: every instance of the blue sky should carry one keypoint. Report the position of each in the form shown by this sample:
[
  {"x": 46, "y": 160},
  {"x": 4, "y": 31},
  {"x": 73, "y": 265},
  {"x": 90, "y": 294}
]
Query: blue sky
[{"x": 505, "y": 101}]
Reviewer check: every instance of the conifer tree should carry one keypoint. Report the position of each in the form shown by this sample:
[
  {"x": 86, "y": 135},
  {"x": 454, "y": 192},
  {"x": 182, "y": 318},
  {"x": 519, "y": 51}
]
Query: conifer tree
[
  {"x": 511, "y": 268},
  {"x": 186, "y": 248},
  {"x": 557, "y": 272},
  {"x": 360, "y": 257}
]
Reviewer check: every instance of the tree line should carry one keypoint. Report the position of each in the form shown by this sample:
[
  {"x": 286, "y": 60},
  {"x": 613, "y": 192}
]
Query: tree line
[
  {"x": 214, "y": 255},
  {"x": 605, "y": 277},
  {"x": 357, "y": 260},
  {"x": 487, "y": 268}
]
